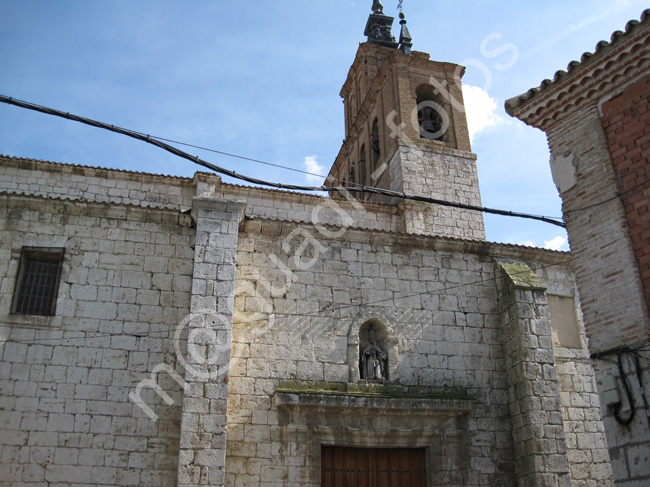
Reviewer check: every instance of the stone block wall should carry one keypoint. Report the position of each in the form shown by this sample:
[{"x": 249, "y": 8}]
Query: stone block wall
[
  {"x": 202, "y": 456},
  {"x": 589, "y": 459},
  {"x": 80, "y": 389},
  {"x": 533, "y": 390},
  {"x": 56, "y": 180},
  {"x": 300, "y": 298},
  {"x": 446, "y": 174},
  {"x": 66, "y": 416}
]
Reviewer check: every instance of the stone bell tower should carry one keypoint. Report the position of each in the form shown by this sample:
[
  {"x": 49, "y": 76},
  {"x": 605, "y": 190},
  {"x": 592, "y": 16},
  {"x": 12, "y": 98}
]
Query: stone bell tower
[{"x": 406, "y": 130}]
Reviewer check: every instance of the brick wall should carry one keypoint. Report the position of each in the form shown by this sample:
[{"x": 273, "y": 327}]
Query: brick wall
[
  {"x": 610, "y": 287},
  {"x": 626, "y": 119}
]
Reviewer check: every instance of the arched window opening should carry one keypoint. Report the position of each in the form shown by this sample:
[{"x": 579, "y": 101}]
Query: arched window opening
[
  {"x": 352, "y": 177},
  {"x": 362, "y": 166},
  {"x": 432, "y": 118},
  {"x": 374, "y": 145}
]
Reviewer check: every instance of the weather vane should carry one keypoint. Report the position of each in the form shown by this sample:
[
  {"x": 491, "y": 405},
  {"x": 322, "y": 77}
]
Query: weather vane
[{"x": 399, "y": 5}]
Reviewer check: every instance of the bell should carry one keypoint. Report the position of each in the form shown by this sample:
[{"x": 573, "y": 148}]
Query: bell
[{"x": 428, "y": 126}]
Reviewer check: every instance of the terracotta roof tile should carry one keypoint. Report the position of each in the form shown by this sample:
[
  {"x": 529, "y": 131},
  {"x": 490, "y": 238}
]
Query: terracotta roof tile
[{"x": 602, "y": 47}]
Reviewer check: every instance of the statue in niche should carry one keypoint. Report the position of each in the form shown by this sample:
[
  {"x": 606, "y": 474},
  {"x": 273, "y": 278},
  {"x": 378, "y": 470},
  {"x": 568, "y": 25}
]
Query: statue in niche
[{"x": 373, "y": 359}]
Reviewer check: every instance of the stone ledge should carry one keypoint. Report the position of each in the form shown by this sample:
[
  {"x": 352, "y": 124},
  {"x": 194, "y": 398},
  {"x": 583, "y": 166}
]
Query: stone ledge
[
  {"x": 522, "y": 277},
  {"x": 371, "y": 395}
]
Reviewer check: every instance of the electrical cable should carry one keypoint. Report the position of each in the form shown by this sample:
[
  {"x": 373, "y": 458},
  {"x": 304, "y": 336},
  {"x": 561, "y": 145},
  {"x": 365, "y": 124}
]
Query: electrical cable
[
  {"x": 619, "y": 195},
  {"x": 636, "y": 358},
  {"x": 331, "y": 179},
  {"x": 220, "y": 170},
  {"x": 349, "y": 186},
  {"x": 616, "y": 408},
  {"x": 299, "y": 315},
  {"x": 250, "y": 159}
]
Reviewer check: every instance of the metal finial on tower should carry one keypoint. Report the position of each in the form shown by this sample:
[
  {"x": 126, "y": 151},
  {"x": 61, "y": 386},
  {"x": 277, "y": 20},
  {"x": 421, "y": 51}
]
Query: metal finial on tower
[
  {"x": 405, "y": 39},
  {"x": 379, "y": 26}
]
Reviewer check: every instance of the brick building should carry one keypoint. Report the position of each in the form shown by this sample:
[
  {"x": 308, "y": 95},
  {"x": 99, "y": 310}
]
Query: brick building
[
  {"x": 597, "y": 119},
  {"x": 185, "y": 332}
]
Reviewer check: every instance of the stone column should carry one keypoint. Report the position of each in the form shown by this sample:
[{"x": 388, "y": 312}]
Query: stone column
[
  {"x": 533, "y": 389},
  {"x": 202, "y": 454}
]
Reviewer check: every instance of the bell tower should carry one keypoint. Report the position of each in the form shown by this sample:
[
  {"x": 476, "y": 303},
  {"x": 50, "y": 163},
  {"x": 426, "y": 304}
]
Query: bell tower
[{"x": 406, "y": 130}]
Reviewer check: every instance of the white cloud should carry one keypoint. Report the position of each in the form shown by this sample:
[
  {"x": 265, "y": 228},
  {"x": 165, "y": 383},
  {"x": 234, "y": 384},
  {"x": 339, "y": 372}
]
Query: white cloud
[
  {"x": 557, "y": 243},
  {"x": 599, "y": 15},
  {"x": 311, "y": 166},
  {"x": 480, "y": 110}
]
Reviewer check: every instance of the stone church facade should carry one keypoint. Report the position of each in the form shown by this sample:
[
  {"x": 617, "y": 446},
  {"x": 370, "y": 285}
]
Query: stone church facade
[{"x": 186, "y": 332}]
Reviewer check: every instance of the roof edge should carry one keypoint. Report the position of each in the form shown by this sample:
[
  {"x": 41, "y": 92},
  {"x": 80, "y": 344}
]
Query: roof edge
[{"x": 512, "y": 105}]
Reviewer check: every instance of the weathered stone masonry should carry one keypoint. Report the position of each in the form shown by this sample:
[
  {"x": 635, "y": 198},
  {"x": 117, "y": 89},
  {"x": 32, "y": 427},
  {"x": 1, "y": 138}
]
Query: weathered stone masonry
[
  {"x": 215, "y": 334},
  {"x": 533, "y": 391},
  {"x": 67, "y": 418},
  {"x": 202, "y": 456},
  {"x": 436, "y": 298}
]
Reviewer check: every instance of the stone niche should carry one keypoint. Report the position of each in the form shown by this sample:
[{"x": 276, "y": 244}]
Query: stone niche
[
  {"x": 373, "y": 415},
  {"x": 373, "y": 354},
  {"x": 372, "y": 338}
]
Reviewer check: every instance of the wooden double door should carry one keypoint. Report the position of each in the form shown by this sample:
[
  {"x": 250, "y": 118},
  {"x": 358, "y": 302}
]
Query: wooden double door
[{"x": 373, "y": 467}]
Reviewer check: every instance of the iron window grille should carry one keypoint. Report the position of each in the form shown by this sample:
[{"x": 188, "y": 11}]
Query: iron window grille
[{"x": 37, "y": 283}]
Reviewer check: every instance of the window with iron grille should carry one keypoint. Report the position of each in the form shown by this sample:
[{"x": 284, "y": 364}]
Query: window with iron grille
[{"x": 37, "y": 283}]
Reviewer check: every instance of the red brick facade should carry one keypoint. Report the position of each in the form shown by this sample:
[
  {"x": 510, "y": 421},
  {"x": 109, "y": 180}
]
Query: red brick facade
[{"x": 626, "y": 120}]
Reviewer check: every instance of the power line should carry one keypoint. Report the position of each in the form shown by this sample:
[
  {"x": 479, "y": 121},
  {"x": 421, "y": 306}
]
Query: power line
[
  {"x": 220, "y": 170},
  {"x": 619, "y": 195},
  {"x": 319, "y": 314},
  {"x": 228, "y": 154}
]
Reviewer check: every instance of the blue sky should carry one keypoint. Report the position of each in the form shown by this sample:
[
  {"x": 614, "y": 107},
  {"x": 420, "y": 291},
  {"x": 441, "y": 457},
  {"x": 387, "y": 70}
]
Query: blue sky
[{"x": 261, "y": 79}]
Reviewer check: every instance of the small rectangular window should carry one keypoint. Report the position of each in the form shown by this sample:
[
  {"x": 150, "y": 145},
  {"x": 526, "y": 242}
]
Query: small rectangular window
[
  {"x": 564, "y": 325},
  {"x": 37, "y": 283}
]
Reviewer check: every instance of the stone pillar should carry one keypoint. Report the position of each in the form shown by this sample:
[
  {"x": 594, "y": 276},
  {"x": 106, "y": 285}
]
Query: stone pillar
[
  {"x": 202, "y": 455},
  {"x": 533, "y": 390}
]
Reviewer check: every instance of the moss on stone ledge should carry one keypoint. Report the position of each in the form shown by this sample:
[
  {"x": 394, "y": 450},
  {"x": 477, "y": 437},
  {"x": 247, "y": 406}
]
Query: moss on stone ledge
[
  {"x": 522, "y": 277},
  {"x": 367, "y": 388}
]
